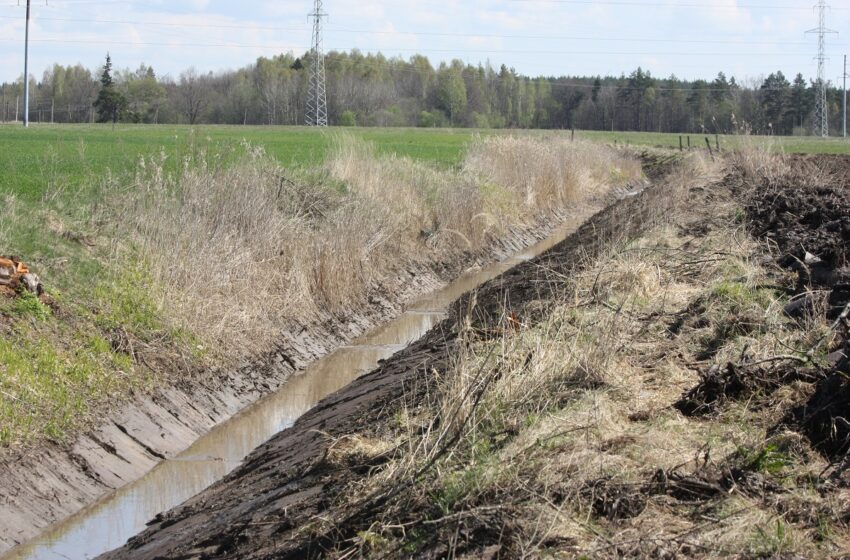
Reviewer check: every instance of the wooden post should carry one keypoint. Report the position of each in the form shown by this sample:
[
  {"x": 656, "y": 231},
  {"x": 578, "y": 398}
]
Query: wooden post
[
  {"x": 689, "y": 142},
  {"x": 717, "y": 142},
  {"x": 708, "y": 144},
  {"x": 681, "y": 147},
  {"x": 573, "y": 134}
]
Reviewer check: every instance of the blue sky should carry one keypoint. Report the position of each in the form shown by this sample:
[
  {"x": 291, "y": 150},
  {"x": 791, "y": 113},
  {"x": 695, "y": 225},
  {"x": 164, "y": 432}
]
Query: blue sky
[{"x": 689, "y": 38}]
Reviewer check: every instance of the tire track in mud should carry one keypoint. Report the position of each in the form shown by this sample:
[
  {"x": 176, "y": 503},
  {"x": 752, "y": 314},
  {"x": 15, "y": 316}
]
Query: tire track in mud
[{"x": 255, "y": 512}]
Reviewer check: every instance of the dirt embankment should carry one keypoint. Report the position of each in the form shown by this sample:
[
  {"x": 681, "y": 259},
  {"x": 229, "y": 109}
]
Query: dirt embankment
[
  {"x": 693, "y": 402},
  {"x": 801, "y": 211},
  {"x": 806, "y": 216},
  {"x": 260, "y": 509}
]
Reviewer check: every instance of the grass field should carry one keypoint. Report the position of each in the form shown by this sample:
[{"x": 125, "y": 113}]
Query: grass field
[
  {"x": 52, "y": 157},
  {"x": 790, "y": 144},
  {"x": 55, "y": 157}
]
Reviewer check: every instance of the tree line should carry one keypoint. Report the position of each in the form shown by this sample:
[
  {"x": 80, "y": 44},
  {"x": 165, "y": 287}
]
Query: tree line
[{"x": 373, "y": 90}]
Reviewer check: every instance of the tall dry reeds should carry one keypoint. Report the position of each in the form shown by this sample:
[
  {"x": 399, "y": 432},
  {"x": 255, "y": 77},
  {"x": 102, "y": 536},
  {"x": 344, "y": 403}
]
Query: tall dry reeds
[
  {"x": 239, "y": 249},
  {"x": 548, "y": 172}
]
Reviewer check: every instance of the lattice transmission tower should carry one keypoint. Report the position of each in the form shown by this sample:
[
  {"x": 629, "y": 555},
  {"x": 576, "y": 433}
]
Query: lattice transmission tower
[
  {"x": 317, "y": 102},
  {"x": 821, "y": 124}
]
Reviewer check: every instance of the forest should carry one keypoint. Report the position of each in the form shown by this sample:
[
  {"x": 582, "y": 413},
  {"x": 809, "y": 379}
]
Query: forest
[{"x": 374, "y": 90}]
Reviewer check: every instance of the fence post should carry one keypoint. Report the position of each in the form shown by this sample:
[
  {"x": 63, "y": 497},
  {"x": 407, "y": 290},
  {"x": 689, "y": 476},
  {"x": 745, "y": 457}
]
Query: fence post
[
  {"x": 689, "y": 142},
  {"x": 717, "y": 142},
  {"x": 680, "y": 143},
  {"x": 708, "y": 144}
]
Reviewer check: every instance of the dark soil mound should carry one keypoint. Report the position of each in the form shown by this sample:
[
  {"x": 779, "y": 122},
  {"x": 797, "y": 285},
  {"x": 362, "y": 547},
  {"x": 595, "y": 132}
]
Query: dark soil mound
[
  {"x": 739, "y": 382},
  {"x": 806, "y": 215},
  {"x": 807, "y": 210},
  {"x": 825, "y": 418}
]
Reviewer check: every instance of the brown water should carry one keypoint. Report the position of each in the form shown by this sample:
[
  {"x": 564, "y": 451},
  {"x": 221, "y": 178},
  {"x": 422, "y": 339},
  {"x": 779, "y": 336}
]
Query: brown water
[{"x": 122, "y": 514}]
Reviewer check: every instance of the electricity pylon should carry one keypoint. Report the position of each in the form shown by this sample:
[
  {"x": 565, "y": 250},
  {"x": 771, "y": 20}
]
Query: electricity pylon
[
  {"x": 821, "y": 124},
  {"x": 317, "y": 103}
]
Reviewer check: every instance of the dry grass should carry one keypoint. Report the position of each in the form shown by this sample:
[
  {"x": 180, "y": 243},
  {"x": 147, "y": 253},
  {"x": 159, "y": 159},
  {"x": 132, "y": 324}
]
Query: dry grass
[
  {"x": 561, "y": 439},
  {"x": 548, "y": 172},
  {"x": 244, "y": 248}
]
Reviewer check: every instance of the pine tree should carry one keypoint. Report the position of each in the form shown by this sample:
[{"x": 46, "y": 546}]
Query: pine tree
[{"x": 110, "y": 103}]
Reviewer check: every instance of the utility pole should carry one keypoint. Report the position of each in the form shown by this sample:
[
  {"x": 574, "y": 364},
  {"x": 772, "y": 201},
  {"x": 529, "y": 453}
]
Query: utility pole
[
  {"x": 844, "y": 104},
  {"x": 26, "y": 69},
  {"x": 317, "y": 103},
  {"x": 821, "y": 123}
]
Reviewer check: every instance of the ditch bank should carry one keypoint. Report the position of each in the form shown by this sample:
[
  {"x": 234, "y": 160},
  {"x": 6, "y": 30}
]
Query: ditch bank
[
  {"x": 258, "y": 509},
  {"x": 41, "y": 487}
]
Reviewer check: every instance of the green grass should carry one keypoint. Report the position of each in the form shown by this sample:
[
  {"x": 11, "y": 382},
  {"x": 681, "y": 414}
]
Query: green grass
[{"x": 48, "y": 159}]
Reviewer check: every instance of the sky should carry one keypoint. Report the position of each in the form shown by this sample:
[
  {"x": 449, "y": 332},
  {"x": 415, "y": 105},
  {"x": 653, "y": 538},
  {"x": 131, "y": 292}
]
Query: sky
[{"x": 692, "y": 39}]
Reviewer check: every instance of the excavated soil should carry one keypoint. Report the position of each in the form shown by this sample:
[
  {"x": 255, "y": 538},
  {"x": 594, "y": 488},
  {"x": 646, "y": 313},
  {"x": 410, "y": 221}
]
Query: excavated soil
[
  {"x": 803, "y": 217},
  {"x": 259, "y": 509},
  {"x": 808, "y": 220}
]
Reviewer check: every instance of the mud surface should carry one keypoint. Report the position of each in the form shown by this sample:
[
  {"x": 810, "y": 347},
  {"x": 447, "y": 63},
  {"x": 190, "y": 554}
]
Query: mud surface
[{"x": 259, "y": 509}]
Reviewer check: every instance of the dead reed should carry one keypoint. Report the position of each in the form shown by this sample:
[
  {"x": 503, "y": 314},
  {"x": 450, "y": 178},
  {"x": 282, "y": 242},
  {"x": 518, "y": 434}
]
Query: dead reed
[{"x": 243, "y": 248}]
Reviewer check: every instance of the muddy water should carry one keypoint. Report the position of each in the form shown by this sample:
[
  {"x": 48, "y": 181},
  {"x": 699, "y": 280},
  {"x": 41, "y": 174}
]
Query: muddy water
[{"x": 110, "y": 522}]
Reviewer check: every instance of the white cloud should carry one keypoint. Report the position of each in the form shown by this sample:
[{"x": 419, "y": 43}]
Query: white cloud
[{"x": 239, "y": 32}]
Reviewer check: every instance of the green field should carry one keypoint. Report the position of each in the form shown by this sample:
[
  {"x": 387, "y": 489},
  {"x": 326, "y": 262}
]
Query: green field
[
  {"x": 790, "y": 144},
  {"x": 53, "y": 157},
  {"x": 57, "y": 157}
]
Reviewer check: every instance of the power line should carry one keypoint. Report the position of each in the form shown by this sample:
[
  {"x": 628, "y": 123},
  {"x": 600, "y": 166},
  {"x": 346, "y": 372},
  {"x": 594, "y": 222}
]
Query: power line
[
  {"x": 251, "y": 26},
  {"x": 844, "y": 77},
  {"x": 458, "y": 52},
  {"x": 639, "y": 3},
  {"x": 636, "y": 3},
  {"x": 26, "y": 70}
]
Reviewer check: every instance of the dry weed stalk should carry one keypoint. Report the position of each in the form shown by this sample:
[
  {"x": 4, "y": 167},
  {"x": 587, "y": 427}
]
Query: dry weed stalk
[{"x": 242, "y": 249}]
